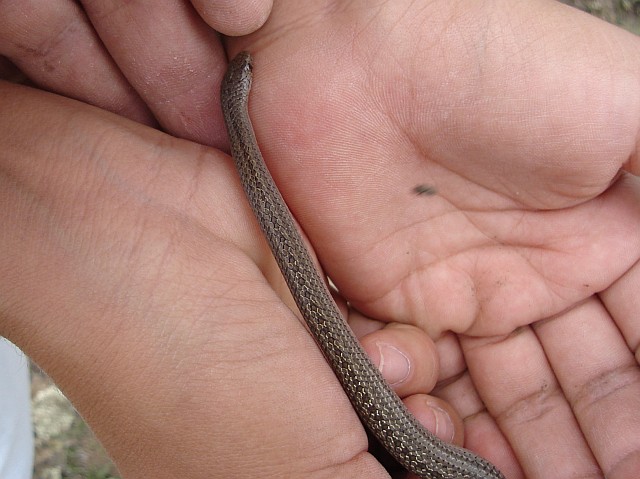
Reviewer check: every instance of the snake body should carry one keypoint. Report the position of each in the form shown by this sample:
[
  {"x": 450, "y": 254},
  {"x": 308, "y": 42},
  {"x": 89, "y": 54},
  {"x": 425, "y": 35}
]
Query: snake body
[{"x": 378, "y": 406}]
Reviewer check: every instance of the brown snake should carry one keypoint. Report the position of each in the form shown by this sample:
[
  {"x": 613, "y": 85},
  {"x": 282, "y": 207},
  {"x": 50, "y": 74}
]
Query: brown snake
[{"x": 379, "y": 407}]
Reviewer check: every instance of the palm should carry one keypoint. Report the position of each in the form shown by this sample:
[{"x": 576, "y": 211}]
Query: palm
[{"x": 517, "y": 231}]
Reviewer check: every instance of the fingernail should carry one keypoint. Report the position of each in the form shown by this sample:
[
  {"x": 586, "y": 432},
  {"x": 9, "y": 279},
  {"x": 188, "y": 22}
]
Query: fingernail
[
  {"x": 394, "y": 364},
  {"x": 443, "y": 425}
]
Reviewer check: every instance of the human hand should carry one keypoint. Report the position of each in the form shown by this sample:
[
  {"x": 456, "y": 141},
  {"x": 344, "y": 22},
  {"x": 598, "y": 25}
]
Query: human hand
[
  {"x": 154, "y": 62},
  {"x": 137, "y": 279},
  {"x": 527, "y": 251}
]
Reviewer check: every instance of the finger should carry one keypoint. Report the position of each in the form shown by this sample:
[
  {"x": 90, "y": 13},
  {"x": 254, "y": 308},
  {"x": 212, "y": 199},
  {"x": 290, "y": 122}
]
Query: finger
[
  {"x": 408, "y": 360},
  {"x": 435, "y": 415},
  {"x": 481, "y": 433},
  {"x": 519, "y": 388},
  {"x": 171, "y": 57},
  {"x": 438, "y": 416},
  {"x": 452, "y": 364},
  {"x": 407, "y": 345},
  {"x": 406, "y": 357},
  {"x": 601, "y": 380},
  {"x": 623, "y": 303},
  {"x": 233, "y": 17},
  {"x": 53, "y": 43}
]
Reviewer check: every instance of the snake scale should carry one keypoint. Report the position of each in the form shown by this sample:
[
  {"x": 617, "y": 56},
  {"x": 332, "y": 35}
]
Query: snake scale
[{"x": 378, "y": 406}]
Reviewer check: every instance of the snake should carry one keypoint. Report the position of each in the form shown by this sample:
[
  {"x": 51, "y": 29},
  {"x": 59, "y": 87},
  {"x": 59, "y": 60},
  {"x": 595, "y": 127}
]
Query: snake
[{"x": 379, "y": 408}]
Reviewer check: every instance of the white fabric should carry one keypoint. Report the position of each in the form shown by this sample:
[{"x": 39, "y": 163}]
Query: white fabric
[{"x": 16, "y": 430}]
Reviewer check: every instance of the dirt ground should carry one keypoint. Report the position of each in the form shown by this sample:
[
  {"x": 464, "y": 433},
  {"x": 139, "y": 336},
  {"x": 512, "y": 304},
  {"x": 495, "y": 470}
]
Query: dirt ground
[
  {"x": 66, "y": 447},
  {"x": 625, "y": 13}
]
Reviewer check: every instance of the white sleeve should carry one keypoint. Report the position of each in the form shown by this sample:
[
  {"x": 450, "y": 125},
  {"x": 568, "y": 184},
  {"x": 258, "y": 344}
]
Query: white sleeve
[{"x": 16, "y": 429}]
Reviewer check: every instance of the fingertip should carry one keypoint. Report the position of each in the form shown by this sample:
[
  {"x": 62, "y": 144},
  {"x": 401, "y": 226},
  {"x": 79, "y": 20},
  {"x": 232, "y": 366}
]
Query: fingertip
[
  {"x": 234, "y": 17},
  {"x": 438, "y": 417},
  {"x": 393, "y": 363},
  {"x": 406, "y": 357}
]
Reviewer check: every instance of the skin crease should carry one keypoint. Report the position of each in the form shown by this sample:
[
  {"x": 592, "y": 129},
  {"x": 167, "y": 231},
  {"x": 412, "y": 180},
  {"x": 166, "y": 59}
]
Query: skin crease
[{"x": 136, "y": 244}]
